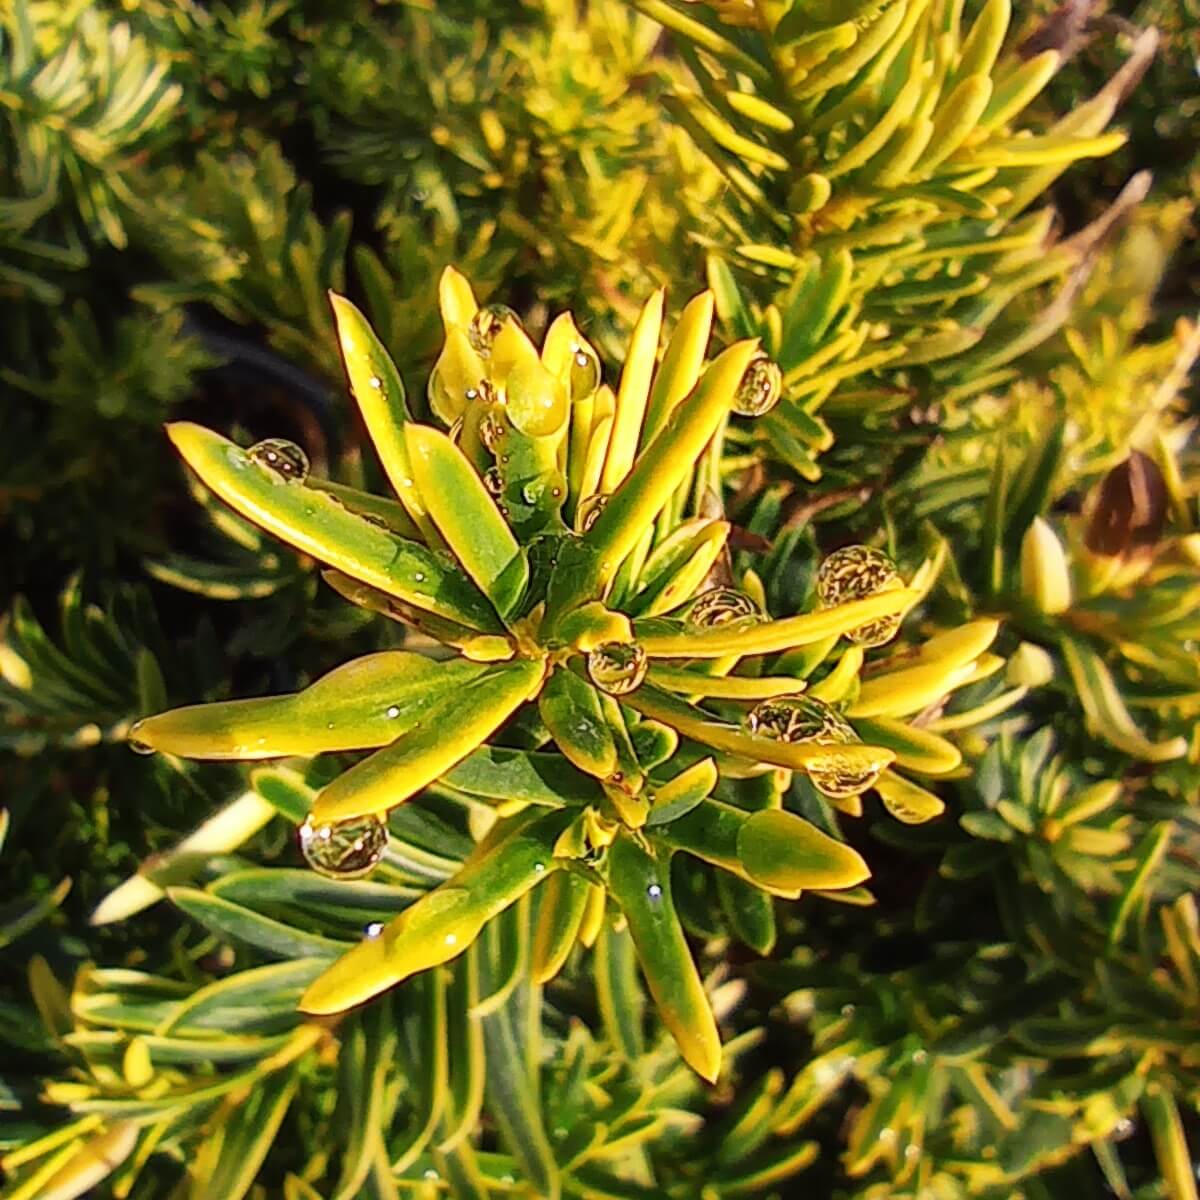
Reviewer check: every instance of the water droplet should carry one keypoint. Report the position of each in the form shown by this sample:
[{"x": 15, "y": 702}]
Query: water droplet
[
  {"x": 328, "y": 724},
  {"x": 722, "y": 606},
  {"x": 376, "y": 383},
  {"x": 443, "y": 398},
  {"x": 1123, "y": 1128},
  {"x": 393, "y": 712},
  {"x": 847, "y": 1010},
  {"x": 840, "y": 776},
  {"x": 531, "y": 493},
  {"x": 760, "y": 388},
  {"x": 451, "y": 939},
  {"x": 539, "y": 867},
  {"x": 589, "y": 511},
  {"x": 419, "y": 577},
  {"x": 654, "y": 891},
  {"x": 585, "y": 370},
  {"x": 373, "y": 930},
  {"x": 493, "y": 481},
  {"x": 617, "y": 667},
  {"x": 343, "y": 849},
  {"x": 486, "y": 325},
  {"x": 919, "y": 1056},
  {"x": 911, "y": 1151},
  {"x": 137, "y": 746},
  {"x": 797, "y": 719},
  {"x": 492, "y": 431},
  {"x": 430, "y": 1174},
  {"x": 854, "y": 573},
  {"x": 887, "y": 1136},
  {"x": 282, "y": 457}
]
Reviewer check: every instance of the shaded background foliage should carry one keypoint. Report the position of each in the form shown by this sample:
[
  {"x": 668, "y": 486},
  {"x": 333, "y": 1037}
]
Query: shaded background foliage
[{"x": 179, "y": 186}]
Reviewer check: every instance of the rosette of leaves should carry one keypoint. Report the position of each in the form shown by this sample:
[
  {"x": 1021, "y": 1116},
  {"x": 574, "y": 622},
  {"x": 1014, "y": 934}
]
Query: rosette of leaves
[
  {"x": 966, "y": 1093},
  {"x": 591, "y": 701},
  {"x": 1115, "y": 384},
  {"x": 535, "y": 133},
  {"x": 1052, "y": 1013},
  {"x": 1121, "y": 364},
  {"x": 82, "y": 99},
  {"x": 261, "y": 254},
  {"x": 881, "y": 166},
  {"x": 573, "y": 1102},
  {"x": 1111, "y": 593},
  {"x": 1068, "y": 835},
  {"x": 87, "y": 685}
]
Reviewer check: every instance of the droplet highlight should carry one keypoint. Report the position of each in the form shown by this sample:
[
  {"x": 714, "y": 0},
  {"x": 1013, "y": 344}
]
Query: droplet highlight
[
  {"x": 854, "y": 573},
  {"x": 760, "y": 388},
  {"x": 343, "y": 849},
  {"x": 585, "y": 370},
  {"x": 617, "y": 667},
  {"x": 280, "y": 457}
]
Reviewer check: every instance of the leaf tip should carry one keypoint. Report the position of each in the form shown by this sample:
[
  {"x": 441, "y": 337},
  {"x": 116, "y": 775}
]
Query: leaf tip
[{"x": 354, "y": 978}]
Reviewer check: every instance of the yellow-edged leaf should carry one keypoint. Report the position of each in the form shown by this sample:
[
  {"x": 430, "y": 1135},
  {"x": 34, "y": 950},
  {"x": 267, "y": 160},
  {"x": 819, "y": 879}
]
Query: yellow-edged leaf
[
  {"x": 450, "y": 732},
  {"x": 916, "y": 749},
  {"x": 663, "y": 465},
  {"x": 641, "y": 885},
  {"x": 773, "y": 636},
  {"x": 513, "y": 858},
  {"x": 570, "y": 708},
  {"x": 732, "y": 740},
  {"x": 901, "y": 693},
  {"x": 314, "y": 522},
  {"x": 467, "y": 517},
  {"x": 379, "y": 392},
  {"x": 782, "y": 850},
  {"x": 681, "y": 364},
  {"x": 907, "y": 801},
  {"x": 633, "y": 393}
]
